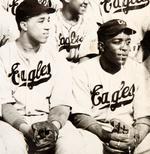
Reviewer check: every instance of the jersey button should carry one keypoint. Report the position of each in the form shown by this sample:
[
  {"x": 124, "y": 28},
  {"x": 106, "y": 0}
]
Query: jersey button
[{"x": 29, "y": 112}]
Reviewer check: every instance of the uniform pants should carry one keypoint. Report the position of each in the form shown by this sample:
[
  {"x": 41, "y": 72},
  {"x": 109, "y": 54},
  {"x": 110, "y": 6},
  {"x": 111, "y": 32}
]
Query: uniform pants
[
  {"x": 70, "y": 141},
  {"x": 78, "y": 141},
  {"x": 11, "y": 140}
]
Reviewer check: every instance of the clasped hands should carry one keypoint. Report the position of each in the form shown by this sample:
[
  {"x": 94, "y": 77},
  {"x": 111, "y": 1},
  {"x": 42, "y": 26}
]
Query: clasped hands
[{"x": 122, "y": 140}]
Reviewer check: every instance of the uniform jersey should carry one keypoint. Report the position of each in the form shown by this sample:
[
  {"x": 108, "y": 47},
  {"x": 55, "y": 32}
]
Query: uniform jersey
[
  {"x": 124, "y": 95},
  {"x": 11, "y": 5},
  {"x": 36, "y": 85},
  {"x": 8, "y": 27},
  {"x": 73, "y": 40}
]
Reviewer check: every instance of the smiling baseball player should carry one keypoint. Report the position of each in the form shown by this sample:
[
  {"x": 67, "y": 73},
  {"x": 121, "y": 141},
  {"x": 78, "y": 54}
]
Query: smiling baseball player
[{"x": 72, "y": 35}]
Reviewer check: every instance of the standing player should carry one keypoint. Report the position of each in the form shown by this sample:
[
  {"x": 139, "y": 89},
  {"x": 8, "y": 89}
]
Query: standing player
[
  {"x": 35, "y": 85},
  {"x": 111, "y": 93},
  {"x": 72, "y": 35}
]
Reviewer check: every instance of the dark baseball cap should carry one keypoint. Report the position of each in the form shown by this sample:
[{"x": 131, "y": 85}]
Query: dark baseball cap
[
  {"x": 113, "y": 27},
  {"x": 31, "y": 8}
]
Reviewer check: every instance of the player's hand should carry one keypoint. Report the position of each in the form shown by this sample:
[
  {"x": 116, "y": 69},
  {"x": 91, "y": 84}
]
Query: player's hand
[
  {"x": 123, "y": 138},
  {"x": 120, "y": 126},
  {"x": 45, "y": 135},
  {"x": 27, "y": 131}
]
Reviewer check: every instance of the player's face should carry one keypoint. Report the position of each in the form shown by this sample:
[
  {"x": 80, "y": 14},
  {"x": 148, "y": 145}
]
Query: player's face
[
  {"x": 78, "y": 6},
  {"x": 116, "y": 49},
  {"x": 38, "y": 28}
]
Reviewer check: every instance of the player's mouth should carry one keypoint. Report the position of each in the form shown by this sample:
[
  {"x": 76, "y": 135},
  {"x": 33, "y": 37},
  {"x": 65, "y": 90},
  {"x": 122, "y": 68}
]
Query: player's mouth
[
  {"x": 122, "y": 55},
  {"x": 46, "y": 34}
]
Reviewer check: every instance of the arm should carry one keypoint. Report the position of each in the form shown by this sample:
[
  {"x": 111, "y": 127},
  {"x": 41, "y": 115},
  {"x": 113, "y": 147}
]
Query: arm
[
  {"x": 142, "y": 128},
  {"x": 58, "y": 115},
  {"x": 88, "y": 123},
  {"x": 12, "y": 116}
]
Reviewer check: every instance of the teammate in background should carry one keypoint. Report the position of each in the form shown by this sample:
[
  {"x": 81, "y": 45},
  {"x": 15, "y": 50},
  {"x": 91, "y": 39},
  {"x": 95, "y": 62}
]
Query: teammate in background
[
  {"x": 72, "y": 35},
  {"x": 145, "y": 50},
  {"x": 111, "y": 94},
  {"x": 35, "y": 85},
  {"x": 8, "y": 27}
]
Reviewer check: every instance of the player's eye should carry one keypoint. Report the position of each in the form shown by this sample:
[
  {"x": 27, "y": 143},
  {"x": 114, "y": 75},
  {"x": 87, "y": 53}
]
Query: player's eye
[
  {"x": 41, "y": 21},
  {"x": 117, "y": 42},
  {"x": 128, "y": 42},
  {"x": 48, "y": 20}
]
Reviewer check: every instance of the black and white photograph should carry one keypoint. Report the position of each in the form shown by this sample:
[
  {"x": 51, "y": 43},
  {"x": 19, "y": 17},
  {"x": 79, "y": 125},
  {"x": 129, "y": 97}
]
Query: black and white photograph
[{"x": 74, "y": 77}]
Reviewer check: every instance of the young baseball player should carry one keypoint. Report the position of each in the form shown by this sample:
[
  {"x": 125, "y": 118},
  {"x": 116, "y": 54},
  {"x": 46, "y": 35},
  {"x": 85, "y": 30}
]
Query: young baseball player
[
  {"x": 35, "y": 86},
  {"x": 72, "y": 35},
  {"x": 111, "y": 94}
]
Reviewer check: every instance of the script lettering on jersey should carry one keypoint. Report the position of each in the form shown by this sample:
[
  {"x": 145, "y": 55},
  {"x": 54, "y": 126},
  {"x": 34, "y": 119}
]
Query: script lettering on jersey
[
  {"x": 125, "y": 92},
  {"x": 15, "y": 3},
  {"x": 35, "y": 77},
  {"x": 71, "y": 42},
  {"x": 45, "y": 2},
  {"x": 123, "y": 5}
]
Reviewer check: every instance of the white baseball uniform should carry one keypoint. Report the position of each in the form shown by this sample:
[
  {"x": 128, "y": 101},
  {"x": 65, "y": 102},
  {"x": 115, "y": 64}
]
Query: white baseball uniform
[
  {"x": 35, "y": 85},
  {"x": 124, "y": 95},
  {"x": 73, "y": 40},
  {"x": 8, "y": 27}
]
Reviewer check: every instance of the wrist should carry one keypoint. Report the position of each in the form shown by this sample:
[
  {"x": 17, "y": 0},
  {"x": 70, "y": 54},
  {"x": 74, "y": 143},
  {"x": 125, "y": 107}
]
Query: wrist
[
  {"x": 26, "y": 130},
  {"x": 57, "y": 124}
]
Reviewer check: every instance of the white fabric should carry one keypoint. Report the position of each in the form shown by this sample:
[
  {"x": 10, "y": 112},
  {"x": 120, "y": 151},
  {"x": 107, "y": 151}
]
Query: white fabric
[
  {"x": 11, "y": 140},
  {"x": 8, "y": 26},
  {"x": 73, "y": 40},
  {"x": 124, "y": 95},
  {"x": 37, "y": 84},
  {"x": 136, "y": 14}
]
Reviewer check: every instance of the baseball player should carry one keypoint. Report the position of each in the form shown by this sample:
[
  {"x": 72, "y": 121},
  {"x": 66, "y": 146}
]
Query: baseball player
[
  {"x": 136, "y": 14},
  {"x": 111, "y": 94},
  {"x": 36, "y": 85},
  {"x": 71, "y": 32}
]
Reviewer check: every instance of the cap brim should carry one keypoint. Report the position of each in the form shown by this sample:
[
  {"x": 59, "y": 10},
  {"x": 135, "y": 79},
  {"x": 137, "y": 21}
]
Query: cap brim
[
  {"x": 50, "y": 10},
  {"x": 117, "y": 30},
  {"x": 42, "y": 9},
  {"x": 129, "y": 31}
]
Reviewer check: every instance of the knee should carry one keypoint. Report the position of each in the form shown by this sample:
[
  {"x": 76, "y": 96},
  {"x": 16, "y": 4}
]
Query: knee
[{"x": 13, "y": 140}]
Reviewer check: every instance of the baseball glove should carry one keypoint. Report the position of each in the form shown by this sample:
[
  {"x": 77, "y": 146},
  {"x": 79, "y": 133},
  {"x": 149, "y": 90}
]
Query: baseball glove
[{"x": 45, "y": 136}]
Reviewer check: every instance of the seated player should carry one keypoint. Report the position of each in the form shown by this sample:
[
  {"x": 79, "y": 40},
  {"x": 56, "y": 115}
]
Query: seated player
[{"x": 111, "y": 94}]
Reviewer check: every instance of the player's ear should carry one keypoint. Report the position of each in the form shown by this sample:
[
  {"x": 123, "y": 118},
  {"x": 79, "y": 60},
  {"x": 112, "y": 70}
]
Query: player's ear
[
  {"x": 101, "y": 46},
  {"x": 23, "y": 25}
]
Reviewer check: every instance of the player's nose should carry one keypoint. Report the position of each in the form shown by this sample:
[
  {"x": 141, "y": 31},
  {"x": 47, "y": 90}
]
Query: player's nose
[
  {"x": 124, "y": 47},
  {"x": 47, "y": 26}
]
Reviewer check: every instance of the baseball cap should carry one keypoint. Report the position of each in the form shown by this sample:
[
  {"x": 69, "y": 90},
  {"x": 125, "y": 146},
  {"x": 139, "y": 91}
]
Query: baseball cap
[
  {"x": 31, "y": 8},
  {"x": 114, "y": 27}
]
